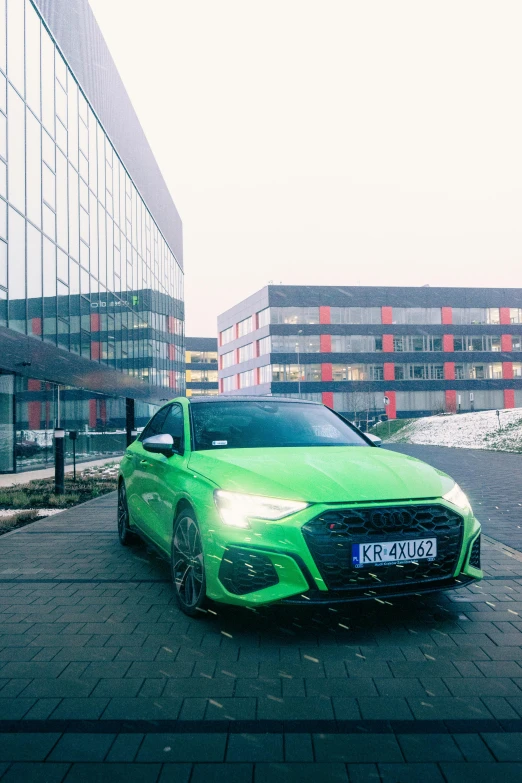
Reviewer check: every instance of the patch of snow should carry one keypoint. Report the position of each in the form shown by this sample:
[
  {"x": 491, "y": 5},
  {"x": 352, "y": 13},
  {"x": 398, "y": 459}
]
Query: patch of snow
[
  {"x": 42, "y": 512},
  {"x": 478, "y": 430}
]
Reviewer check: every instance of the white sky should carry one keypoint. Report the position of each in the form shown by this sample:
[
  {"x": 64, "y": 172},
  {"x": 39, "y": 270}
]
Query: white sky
[{"x": 330, "y": 142}]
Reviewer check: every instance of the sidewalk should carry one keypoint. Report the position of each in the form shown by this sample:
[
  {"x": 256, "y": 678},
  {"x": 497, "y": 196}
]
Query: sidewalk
[
  {"x": 102, "y": 678},
  {"x": 10, "y": 479}
]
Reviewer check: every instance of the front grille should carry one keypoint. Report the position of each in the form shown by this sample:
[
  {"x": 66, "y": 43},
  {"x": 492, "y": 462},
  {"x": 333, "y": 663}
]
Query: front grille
[
  {"x": 241, "y": 571},
  {"x": 474, "y": 558},
  {"x": 330, "y": 537}
]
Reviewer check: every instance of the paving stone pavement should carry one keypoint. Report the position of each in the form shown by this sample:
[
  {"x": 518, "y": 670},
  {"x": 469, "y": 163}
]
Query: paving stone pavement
[{"x": 102, "y": 678}]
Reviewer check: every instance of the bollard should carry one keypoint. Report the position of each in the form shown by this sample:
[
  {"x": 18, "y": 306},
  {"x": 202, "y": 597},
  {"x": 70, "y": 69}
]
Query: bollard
[{"x": 59, "y": 461}]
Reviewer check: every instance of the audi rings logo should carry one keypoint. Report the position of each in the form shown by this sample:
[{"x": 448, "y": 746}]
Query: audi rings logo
[{"x": 389, "y": 518}]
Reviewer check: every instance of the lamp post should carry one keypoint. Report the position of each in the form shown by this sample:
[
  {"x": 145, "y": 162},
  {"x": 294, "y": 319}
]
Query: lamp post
[{"x": 297, "y": 345}]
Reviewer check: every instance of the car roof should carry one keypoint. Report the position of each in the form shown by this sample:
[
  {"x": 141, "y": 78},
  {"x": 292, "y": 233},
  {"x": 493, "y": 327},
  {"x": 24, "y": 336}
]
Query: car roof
[{"x": 199, "y": 399}]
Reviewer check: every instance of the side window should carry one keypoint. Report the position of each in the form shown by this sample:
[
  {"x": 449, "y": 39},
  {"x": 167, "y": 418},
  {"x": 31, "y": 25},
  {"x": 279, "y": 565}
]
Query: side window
[
  {"x": 173, "y": 425},
  {"x": 155, "y": 424}
]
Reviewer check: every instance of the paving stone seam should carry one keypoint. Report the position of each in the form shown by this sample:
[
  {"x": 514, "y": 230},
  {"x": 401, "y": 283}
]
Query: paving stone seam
[{"x": 256, "y": 726}]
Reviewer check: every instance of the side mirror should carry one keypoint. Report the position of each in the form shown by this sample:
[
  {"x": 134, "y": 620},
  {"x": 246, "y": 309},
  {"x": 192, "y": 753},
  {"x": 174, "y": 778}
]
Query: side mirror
[
  {"x": 374, "y": 439},
  {"x": 160, "y": 444}
]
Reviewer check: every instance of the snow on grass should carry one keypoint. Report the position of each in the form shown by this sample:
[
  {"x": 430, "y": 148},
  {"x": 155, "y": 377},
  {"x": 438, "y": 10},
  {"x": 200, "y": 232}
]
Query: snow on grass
[{"x": 478, "y": 430}]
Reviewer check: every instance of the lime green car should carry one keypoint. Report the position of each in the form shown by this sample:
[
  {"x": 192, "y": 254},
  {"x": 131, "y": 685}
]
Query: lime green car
[{"x": 260, "y": 500}]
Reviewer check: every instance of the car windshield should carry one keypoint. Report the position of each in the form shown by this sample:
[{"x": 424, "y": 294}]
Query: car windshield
[{"x": 256, "y": 424}]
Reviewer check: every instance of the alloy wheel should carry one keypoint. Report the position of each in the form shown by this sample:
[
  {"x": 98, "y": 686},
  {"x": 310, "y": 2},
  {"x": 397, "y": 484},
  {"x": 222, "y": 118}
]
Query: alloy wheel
[{"x": 187, "y": 563}]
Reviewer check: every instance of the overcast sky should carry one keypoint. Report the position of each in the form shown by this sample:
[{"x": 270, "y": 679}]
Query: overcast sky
[{"x": 330, "y": 142}]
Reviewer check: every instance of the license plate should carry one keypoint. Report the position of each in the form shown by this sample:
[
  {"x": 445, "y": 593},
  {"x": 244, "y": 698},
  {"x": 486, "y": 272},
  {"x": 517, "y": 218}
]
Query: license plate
[{"x": 393, "y": 552}]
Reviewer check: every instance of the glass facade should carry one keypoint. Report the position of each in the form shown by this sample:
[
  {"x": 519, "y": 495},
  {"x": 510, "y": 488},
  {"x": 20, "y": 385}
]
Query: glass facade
[
  {"x": 84, "y": 266},
  {"x": 88, "y": 269}
]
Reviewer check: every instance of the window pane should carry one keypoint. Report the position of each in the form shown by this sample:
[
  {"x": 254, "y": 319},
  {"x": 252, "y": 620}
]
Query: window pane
[
  {"x": 74, "y": 238},
  {"x": 34, "y": 259},
  {"x": 16, "y": 141},
  {"x": 61, "y": 201},
  {"x": 32, "y": 57},
  {"x": 3, "y": 264},
  {"x": 48, "y": 82},
  {"x": 3, "y": 136},
  {"x": 2, "y": 38},
  {"x": 3, "y": 219},
  {"x": 49, "y": 268},
  {"x": 15, "y": 44},
  {"x": 16, "y": 255},
  {"x": 48, "y": 186},
  {"x": 34, "y": 170}
]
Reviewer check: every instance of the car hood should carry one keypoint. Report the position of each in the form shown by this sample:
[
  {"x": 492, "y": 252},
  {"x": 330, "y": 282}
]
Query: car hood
[{"x": 328, "y": 474}]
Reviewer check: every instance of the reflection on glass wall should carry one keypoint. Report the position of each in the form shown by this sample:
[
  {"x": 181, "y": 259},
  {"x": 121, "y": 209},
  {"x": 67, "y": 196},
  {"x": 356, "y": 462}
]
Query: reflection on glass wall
[
  {"x": 6, "y": 423},
  {"x": 86, "y": 267},
  {"x": 98, "y": 419}
]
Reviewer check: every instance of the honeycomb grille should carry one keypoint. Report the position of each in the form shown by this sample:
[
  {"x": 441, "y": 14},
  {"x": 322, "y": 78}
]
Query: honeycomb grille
[
  {"x": 474, "y": 558},
  {"x": 241, "y": 571},
  {"x": 330, "y": 536}
]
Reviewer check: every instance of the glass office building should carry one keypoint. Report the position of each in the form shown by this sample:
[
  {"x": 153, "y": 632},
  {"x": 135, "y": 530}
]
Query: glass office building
[
  {"x": 371, "y": 352},
  {"x": 201, "y": 363},
  {"x": 91, "y": 277}
]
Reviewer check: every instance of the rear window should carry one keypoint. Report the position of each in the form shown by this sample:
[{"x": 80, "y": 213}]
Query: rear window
[{"x": 250, "y": 425}]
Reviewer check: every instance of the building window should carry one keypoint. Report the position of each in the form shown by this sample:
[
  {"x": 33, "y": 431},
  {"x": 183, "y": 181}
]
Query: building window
[
  {"x": 481, "y": 343},
  {"x": 201, "y": 357},
  {"x": 356, "y": 343},
  {"x": 294, "y": 315},
  {"x": 357, "y": 372},
  {"x": 417, "y": 315},
  {"x": 290, "y": 343},
  {"x": 229, "y": 383},
  {"x": 355, "y": 315},
  {"x": 419, "y": 372},
  {"x": 478, "y": 372},
  {"x": 247, "y": 378},
  {"x": 516, "y": 342},
  {"x": 515, "y": 315},
  {"x": 228, "y": 335},
  {"x": 296, "y": 372},
  {"x": 202, "y": 376},
  {"x": 517, "y": 369},
  {"x": 246, "y": 352},
  {"x": 245, "y": 326},
  {"x": 264, "y": 345},
  {"x": 265, "y": 373},
  {"x": 263, "y": 317},
  {"x": 228, "y": 359},
  {"x": 476, "y": 315},
  {"x": 417, "y": 342}
]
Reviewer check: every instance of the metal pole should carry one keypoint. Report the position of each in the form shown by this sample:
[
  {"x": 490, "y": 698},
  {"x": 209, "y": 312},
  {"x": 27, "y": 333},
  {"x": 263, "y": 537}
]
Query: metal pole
[
  {"x": 74, "y": 460},
  {"x": 129, "y": 421},
  {"x": 299, "y": 333},
  {"x": 59, "y": 461}
]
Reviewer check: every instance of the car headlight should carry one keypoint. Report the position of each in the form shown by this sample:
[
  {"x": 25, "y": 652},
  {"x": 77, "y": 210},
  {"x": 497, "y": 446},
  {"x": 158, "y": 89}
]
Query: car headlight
[
  {"x": 236, "y": 509},
  {"x": 457, "y": 497}
]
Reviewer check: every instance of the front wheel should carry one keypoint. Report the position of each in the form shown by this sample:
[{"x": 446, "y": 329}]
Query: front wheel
[{"x": 187, "y": 564}]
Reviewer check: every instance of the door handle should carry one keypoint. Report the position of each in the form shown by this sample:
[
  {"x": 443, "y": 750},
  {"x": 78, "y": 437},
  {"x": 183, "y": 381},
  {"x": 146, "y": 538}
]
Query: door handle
[{"x": 144, "y": 462}]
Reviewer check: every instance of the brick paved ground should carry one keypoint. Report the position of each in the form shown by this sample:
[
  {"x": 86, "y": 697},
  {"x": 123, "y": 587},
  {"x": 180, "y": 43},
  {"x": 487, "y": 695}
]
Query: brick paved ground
[{"x": 101, "y": 678}]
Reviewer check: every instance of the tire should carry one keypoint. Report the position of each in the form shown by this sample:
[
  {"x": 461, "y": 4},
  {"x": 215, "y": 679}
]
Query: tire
[
  {"x": 187, "y": 565},
  {"x": 125, "y": 534}
]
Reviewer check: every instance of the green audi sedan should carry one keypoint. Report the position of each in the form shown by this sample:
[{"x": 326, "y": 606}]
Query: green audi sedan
[{"x": 262, "y": 500}]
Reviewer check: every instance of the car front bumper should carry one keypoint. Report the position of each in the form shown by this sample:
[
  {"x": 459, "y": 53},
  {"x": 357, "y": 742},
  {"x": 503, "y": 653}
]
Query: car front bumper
[{"x": 274, "y": 562}]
